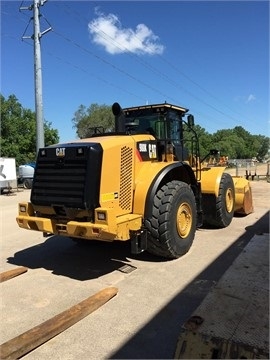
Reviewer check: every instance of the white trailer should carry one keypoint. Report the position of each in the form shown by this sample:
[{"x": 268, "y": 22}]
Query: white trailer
[{"x": 8, "y": 177}]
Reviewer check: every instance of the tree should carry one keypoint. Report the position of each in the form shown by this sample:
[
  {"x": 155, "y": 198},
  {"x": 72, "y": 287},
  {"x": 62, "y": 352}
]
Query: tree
[
  {"x": 262, "y": 146},
  {"x": 93, "y": 116},
  {"x": 204, "y": 137},
  {"x": 205, "y": 140},
  {"x": 18, "y": 131},
  {"x": 228, "y": 143},
  {"x": 238, "y": 143}
]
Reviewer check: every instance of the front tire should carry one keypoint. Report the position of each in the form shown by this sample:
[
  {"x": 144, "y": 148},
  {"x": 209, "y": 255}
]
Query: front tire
[
  {"x": 172, "y": 226},
  {"x": 220, "y": 213}
]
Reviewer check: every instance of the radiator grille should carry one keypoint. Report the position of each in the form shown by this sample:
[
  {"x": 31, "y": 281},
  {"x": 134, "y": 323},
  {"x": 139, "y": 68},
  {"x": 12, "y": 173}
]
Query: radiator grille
[
  {"x": 57, "y": 183},
  {"x": 125, "y": 196},
  {"x": 71, "y": 180}
]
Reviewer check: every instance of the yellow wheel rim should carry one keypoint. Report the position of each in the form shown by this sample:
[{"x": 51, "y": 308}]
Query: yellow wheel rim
[
  {"x": 184, "y": 220},
  {"x": 229, "y": 200}
]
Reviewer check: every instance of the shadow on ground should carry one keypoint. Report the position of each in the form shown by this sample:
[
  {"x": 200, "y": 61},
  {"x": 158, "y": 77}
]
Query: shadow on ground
[
  {"x": 81, "y": 261},
  {"x": 158, "y": 338}
]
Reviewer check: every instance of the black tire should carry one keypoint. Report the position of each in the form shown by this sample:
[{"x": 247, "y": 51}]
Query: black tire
[
  {"x": 224, "y": 204},
  {"x": 172, "y": 226},
  {"x": 27, "y": 184}
]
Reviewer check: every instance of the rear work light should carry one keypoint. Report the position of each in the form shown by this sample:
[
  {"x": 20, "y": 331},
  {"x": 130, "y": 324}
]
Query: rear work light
[
  {"x": 101, "y": 215},
  {"x": 22, "y": 208}
]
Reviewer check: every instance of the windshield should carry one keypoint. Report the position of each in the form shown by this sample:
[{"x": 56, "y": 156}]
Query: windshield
[
  {"x": 162, "y": 127},
  {"x": 144, "y": 124}
]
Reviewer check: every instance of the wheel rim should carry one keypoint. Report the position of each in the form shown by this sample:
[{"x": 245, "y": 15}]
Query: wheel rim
[
  {"x": 229, "y": 200},
  {"x": 184, "y": 220}
]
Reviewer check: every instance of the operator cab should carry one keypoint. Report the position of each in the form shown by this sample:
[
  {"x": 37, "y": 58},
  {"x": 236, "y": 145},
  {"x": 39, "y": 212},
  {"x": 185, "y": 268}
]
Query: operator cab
[{"x": 164, "y": 122}]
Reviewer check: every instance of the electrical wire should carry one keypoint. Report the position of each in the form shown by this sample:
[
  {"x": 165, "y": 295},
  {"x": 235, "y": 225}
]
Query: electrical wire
[{"x": 161, "y": 74}]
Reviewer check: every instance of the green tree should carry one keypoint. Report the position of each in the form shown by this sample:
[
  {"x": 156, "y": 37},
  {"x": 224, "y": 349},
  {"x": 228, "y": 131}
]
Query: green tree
[
  {"x": 247, "y": 138},
  {"x": 85, "y": 119},
  {"x": 238, "y": 143},
  {"x": 255, "y": 145},
  {"x": 205, "y": 139},
  {"x": 228, "y": 143},
  {"x": 261, "y": 146},
  {"x": 18, "y": 131}
]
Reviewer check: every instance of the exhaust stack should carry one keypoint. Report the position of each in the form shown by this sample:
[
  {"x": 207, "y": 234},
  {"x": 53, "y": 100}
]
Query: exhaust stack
[{"x": 119, "y": 118}]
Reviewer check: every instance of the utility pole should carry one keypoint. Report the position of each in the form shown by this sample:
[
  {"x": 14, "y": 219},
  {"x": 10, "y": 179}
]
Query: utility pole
[
  {"x": 38, "y": 79},
  {"x": 37, "y": 70}
]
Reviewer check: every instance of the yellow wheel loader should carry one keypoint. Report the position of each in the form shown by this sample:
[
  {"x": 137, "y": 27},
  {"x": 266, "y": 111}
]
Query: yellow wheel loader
[{"x": 142, "y": 183}]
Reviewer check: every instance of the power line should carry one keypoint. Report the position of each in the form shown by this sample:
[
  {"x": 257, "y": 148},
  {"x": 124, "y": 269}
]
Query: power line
[
  {"x": 162, "y": 75},
  {"x": 92, "y": 75},
  {"x": 73, "y": 42}
]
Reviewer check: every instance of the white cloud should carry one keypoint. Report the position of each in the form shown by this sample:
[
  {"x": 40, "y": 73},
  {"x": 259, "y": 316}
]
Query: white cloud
[
  {"x": 107, "y": 31},
  {"x": 250, "y": 98},
  {"x": 246, "y": 99}
]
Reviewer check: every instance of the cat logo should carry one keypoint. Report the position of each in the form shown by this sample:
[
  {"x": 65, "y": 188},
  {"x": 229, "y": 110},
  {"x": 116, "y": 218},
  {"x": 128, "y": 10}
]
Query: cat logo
[{"x": 60, "y": 152}]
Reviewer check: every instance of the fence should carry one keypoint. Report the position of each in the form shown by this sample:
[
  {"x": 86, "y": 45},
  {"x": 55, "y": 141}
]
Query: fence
[{"x": 251, "y": 170}]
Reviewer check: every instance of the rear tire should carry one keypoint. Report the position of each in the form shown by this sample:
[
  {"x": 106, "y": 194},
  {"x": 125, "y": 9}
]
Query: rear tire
[{"x": 172, "y": 226}]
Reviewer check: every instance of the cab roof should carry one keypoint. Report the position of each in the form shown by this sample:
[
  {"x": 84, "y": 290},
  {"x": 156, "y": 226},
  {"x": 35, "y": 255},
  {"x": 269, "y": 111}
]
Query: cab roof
[{"x": 156, "y": 108}]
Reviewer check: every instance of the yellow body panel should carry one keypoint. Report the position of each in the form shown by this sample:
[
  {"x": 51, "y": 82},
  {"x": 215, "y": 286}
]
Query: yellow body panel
[
  {"x": 210, "y": 179},
  {"x": 144, "y": 180},
  {"x": 108, "y": 141},
  {"x": 109, "y": 229},
  {"x": 243, "y": 196},
  {"x": 119, "y": 164}
]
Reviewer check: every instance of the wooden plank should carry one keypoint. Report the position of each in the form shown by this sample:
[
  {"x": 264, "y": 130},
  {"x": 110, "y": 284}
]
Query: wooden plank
[
  {"x": 31, "y": 339},
  {"x": 9, "y": 274}
]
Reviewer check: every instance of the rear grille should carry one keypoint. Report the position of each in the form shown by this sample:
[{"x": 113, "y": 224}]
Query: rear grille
[
  {"x": 60, "y": 185},
  {"x": 71, "y": 180}
]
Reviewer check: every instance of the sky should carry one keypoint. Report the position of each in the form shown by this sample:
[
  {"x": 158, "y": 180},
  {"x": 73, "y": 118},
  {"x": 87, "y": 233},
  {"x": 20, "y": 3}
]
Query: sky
[{"x": 211, "y": 57}]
